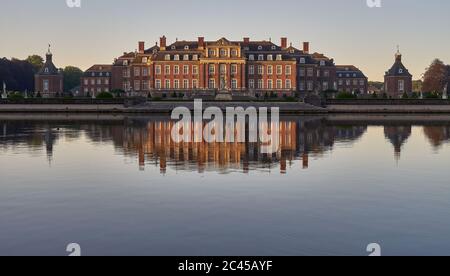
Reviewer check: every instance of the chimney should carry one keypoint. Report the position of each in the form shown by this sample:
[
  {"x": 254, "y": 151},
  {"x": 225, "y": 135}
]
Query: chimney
[
  {"x": 306, "y": 47},
  {"x": 201, "y": 43},
  {"x": 141, "y": 47},
  {"x": 163, "y": 43},
  {"x": 284, "y": 42},
  {"x": 246, "y": 40}
]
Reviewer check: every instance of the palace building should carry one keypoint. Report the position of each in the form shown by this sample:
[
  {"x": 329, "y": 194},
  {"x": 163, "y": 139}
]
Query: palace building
[
  {"x": 398, "y": 80},
  {"x": 49, "y": 80},
  {"x": 351, "y": 79},
  {"x": 186, "y": 67}
]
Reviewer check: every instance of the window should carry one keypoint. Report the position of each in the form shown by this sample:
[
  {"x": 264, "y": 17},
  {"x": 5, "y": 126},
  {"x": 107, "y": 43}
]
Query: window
[
  {"x": 260, "y": 70},
  {"x": 322, "y": 63},
  {"x": 186, "y": 57},
  {"x": 145, "y": 72},
  {"x": 194, "y": 84},
  {"x": 288, "y": 70},
  {"x": 158, "y": 84},
  {"x": 326, "y": 74},
  {"x": 45, "y": 85},
  {"x": 195, "y": 57},
  {"x": 279, "y": 84},
  {"x": 185, "y": 84},
  {"x": 347, "y": 82},
  {"x": 195, "y": 69},
  {"x": 269, "y": 57},
  {"x": 325, "y": 86},
  {"x": 176, "y": 57},
  {"x": 279, "y": 70},
  {"x": 167, "y": 86},
  {"x": 186, "y": 47},
  {"x": 260, "y": 48},
  {"x": 269, "y": 70},
  {"x": 223, "y": 68},
  {"x": 99, "y": 81},
  {"x": 310, "y": 72},
  {"x": 234, "y": 84},
  {"x": 279, "y": 57},
  {"x": 92, "y": 81},
  {"x": 167, "y": 69},
  {"x": 125, "y": 63},
  {"x": 310, "y": 86},
  {"x": 211, "y": 53},
  {"x": 401, "y": 86},
  {"x": 234, "y": 69},
  {"x": 251, "y": 70},
  {"x": 137, "y": 71},
  {"x": 212, "y": 69},
  {"x": 251, "y": 57},
  {"x": 274, "y": 47},
  {"x": 176, "y": 84},
  {"x": 341, "y": 82},
  {"x": 234, "y": 53},
  {"x": 86, "y": 81},
  {"x": 158, "y": 69},
  {"x": 126, "y": 73},
  {"x": 185, "y": 69},
  {"x": 176, "y": 70},
  {"x": 355, "y": 82},
  {"x": 167, "y": 57},
  {"x": 302, "y": 86},
  {"x": 302, "y": 72},
  {"x": 302, "y": 60},
  {"x": 144, "y": 60},
  {"x": 288, "y": 84},
  {"x": 212, "y": 84},
  {"x": 260, "y": 84},
  {"x": 137, "y": 85},
  {"x": 400, "y": 71},
  {"x": 173, "y": 47},
  {"x": 269, "y": 84},
  {"x": 145, "y": 85},
  {"x": 361, "y": 83},
  {"x": 260, "y": 57},
  {"x": 251, "y": 84},
  {"x": 223, "y": 52}
]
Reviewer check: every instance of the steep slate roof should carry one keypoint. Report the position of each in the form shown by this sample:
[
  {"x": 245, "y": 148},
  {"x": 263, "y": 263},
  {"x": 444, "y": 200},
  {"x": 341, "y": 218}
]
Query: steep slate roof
[
  {"x": 98, "y": 70},
  {"x": 52, "y": 70},
  {"x": 349, "y": 71},
  {"x": 398, "y": 69}
]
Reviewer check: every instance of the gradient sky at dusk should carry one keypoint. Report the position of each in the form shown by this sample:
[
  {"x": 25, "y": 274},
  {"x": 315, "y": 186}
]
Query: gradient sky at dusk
[{"x": 346, "y": 30}]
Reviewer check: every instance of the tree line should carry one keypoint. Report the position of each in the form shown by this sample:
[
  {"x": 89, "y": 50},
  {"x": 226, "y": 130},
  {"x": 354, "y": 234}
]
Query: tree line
[{"x": 18, "y": 75}]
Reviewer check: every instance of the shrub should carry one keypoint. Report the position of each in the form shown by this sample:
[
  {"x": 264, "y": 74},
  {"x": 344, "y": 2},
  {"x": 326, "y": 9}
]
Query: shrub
[
  {"x": 375, "y": 96},
  {"x": 415, "y": 95},
  {"x": 15, "y": 96},
  {"x": 432, "y": 95},
  {"x": 405, "y": 96},
  {"x": 346, "y": 95},
  {"x": 105, "y": 95}
]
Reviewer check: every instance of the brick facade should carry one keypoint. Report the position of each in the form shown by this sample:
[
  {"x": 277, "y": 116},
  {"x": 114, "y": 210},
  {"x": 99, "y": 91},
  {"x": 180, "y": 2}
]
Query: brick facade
[
  {"x": 49, "y": 80},
  {"x": 398, "y": 80},
  {"x": 259, "y": 67}
]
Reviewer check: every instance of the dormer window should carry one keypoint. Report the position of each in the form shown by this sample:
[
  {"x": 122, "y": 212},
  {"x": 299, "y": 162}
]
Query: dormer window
[
  {"x": 101, "y": 74},
  {"x": 125, "y": 63},
  {"x": 93, "y": 74},
  {"x": 322, "y": 63},
  {"x": 400, "y": 71},
  {"x": 292, "y": 51},
  {"x": 246, "y": 48},
  {"x": 212, "y": 53},
  {"x": 176, "y": 57},
  {"x": 167, "y": 57},
  {"x": 186, "y": 57},
  {"x": 155, "y": 51},
  {"x": 195, "y": 57},
  {"x": 260, "y": 48},
  {"x": 279, "y": 57},
  {"x": 354, "y": 75},
  {"x": 144, "y": 60},
  {"x": 269, "y": 57},
  {"x": 260, "y": 57},
  {"x": 251, "y": 57},
  {"x": 186, "y": 47},
  {"x": 107, "y": 74},
  {"x": 173, "y": 47},
  {"x": 274, "y": 47},
  {"x": 302, "y": 60}
]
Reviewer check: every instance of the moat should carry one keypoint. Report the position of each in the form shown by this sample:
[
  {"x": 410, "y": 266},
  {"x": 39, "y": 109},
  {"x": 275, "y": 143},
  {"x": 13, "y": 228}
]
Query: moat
[{"x": 118, "y": 185}]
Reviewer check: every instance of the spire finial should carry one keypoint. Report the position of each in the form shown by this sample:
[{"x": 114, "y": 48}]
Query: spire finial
[{"x": 49, "y": 51}]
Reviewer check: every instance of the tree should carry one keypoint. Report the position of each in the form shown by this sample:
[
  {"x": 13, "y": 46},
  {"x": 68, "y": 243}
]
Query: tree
[
  {"x": 72, "y": 77},
  {"x": 37, "y": 62},
  {"x": 435, "y": 77},
  {"x": 17, "y": 74}
]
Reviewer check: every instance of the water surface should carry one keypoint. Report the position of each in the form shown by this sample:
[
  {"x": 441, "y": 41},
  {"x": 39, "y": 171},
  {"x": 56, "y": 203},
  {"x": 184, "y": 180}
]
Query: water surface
[{"x": 119, "y": 185}]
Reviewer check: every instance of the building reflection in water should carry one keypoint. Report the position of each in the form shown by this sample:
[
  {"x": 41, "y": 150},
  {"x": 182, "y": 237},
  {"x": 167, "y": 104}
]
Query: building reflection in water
[{"x": 149, "y": 141}]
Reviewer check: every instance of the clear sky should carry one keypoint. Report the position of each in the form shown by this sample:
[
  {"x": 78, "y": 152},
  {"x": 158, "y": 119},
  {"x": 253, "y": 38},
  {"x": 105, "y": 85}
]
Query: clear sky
[{"x": 347, "y": 30}]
